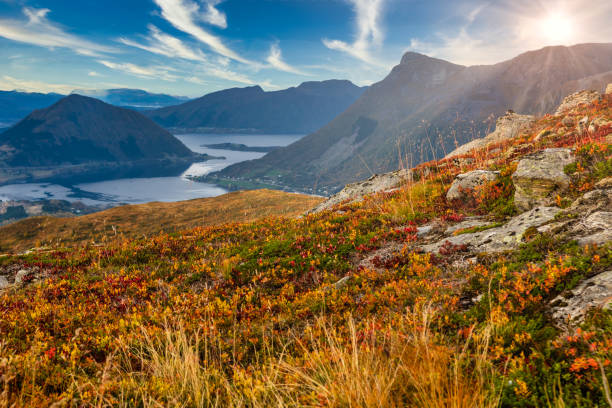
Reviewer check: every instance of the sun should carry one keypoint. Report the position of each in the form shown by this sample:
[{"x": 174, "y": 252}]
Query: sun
[{"x": 558, "y": 28}]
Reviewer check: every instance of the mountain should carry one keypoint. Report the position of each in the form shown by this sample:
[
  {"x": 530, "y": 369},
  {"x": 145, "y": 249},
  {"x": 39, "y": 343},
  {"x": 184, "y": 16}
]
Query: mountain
[
  {"x": 139, "y": 99},
  {"x": 422, "y": 109},
  {"x": 16, "y": 105},
  {"x": 89, "y": 135},
  {"x": 301, "y": 109}
]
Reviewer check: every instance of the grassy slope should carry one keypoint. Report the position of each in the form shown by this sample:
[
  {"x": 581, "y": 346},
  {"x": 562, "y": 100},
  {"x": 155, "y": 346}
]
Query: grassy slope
[
  {"x": 251, "y": 314},
  {"x": 151, "y": 219}
]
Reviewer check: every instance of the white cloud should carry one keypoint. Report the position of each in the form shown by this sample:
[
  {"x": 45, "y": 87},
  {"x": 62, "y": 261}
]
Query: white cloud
[
  {"x": 184, "y": 14},
  {"x": 163, "y": 44},
  {"x": 140, "y": 71},
  {"x": 9, "y": 83},
  {"x": 369, "y": 31},
  {"x": 93, "y": 74},
  {"x": 38, "y": 30},
  {"x": 213, "y": 16},
  {"x": 275, "y": 59}
]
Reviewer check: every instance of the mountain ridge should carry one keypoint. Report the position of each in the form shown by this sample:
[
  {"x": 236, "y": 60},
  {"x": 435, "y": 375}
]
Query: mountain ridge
[
  {"x": 424, "y": 108},
  {"x": 298, "y": 109}
]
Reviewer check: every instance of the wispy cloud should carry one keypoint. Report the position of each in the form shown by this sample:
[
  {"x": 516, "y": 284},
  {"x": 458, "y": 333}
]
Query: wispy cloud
[
  {"x": 275, "y": 59},
  {"x": 163, "y": 44},
  {"x": 93, "y": 74},
  {"x": 37, "y": 29},
  {"x": 184, "y": 15},
  {"x": 25, "y": 85},
  {"x": 369, "y": 32},
  {"x": 213, "y": 16},
  {"x": 157, "y": 72}
]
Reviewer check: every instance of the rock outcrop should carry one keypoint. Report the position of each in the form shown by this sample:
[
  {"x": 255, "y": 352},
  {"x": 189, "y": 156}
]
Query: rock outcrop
[
  {"x": 507, "y": 127},
  {"x": 464, "y": 184},
  {"x": 570, "y": 308},
  {"x": 4, "y": 283},
  {"x": 499, "y": 239},
  {"x": 576, "y": 99},
  {"x": 540, "y": 176},
  {"x": 356, "y": 191}
]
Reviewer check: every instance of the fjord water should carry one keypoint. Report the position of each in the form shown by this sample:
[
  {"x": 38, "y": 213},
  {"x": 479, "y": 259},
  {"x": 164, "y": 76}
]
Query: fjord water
[{"x": 143, "y": 190}]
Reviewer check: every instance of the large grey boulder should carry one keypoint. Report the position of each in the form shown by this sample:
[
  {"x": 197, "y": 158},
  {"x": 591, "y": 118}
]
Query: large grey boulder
[
  {"x": 595, "y": 229},
  {"x": 571, "y": 308},
  {"x": 464, "y": 184},
  {"x": 356, "y": 191},
  {"x": 4, "y": 283},
  {"x": 540, "y": 177},
  {"x": 508, "y": 236},
  {"x": 576, "y": 99},
  {"x": 507, "y": 127}
]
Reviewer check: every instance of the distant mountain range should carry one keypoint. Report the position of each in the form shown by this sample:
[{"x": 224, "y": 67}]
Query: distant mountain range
[
  {"x": 301, "y": 109},
  {"x": 139, "y": 100},
  {"x": 80, "y": 138},
  {"x": 421, "y": 110},
  {"x": 15, "y": 105}
]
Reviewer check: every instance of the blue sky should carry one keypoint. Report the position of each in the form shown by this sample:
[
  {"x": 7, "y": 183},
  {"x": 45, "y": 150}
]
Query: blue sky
[{"x": 192, "y": 47}]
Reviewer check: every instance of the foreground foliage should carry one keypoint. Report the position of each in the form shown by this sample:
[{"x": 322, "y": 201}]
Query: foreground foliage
[{"x": 258, "y": 314}]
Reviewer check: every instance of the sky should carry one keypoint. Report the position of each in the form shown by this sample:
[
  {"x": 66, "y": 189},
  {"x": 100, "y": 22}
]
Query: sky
[{"x": 193, "y": 47}]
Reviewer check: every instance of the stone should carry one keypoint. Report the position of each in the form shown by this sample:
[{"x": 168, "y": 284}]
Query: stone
[
  {"x": 20, "y": 276},
  {"x": 583, "y": 125},
  {"x": 4, "y": 283},
  {"x": 507, "y": 127},
  {"x": 464, "y": 184},
  {"x": 342, "y": 282},
  {"x": 595, "y": 229},
  {"x": 570, "y": 309},
  {"x": 609, "y": 89},
  {"x": 506, "y": 237},
  {"x": 540, "y": 177},
  {"x": 568, "y": 121},
  {"x": 574, "y": 100},
  {"x": 356, "y": 191},
  {"x": 469, "y": 222}
]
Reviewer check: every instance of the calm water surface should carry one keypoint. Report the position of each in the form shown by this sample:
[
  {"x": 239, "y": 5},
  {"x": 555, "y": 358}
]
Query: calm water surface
[{"x": 143, "y": 190}]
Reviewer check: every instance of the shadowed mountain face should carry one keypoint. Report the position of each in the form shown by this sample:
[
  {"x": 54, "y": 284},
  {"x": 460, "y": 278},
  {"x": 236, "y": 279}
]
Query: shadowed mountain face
[
  {"x": 301, "y": 109},
  {"x": 423, "y": 109},
  {"x": 80, "y": 129}
]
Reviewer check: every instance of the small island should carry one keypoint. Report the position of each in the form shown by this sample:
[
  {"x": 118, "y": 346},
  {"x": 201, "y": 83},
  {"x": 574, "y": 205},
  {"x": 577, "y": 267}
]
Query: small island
[{"x": 238, "y": 147}]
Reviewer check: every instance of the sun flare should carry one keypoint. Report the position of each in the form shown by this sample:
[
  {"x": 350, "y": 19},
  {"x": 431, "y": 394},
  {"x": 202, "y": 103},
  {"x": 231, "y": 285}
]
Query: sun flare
[{"x": 558, "y": 28}]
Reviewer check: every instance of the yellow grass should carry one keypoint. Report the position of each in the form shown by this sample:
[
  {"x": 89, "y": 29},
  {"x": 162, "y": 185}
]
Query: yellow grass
[{"x": 149, "y": 219}]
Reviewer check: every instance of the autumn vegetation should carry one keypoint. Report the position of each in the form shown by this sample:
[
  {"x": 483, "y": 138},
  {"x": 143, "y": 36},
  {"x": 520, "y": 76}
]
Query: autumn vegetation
[{"x": 260, "y": 313}]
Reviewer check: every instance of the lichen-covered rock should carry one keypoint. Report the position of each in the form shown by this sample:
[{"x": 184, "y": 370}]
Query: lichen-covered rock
[
  {"x": 507, "y": 127},
  {"x": 576, "y": 99},
  {"x": 595, "y": 229},
  {"x": 571, "y": 308},
  {"x": 464, "y": 184},
  {"x": 4, "y": 283},
  {"x": 499, "y": 239},
  {"x": 21, "y": 276},
  {"x": 540, "y": 177},
  {"x": 356, "y": 191}
]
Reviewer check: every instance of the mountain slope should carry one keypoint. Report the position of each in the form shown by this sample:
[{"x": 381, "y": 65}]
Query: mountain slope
[
  {"x": 80, "y": 130},
  {"x": 152, "y": 219},
  {"x": 406, "y": 298},
  {"x": 300, "y": 109},
  {"x": 421, "y": 110}
]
